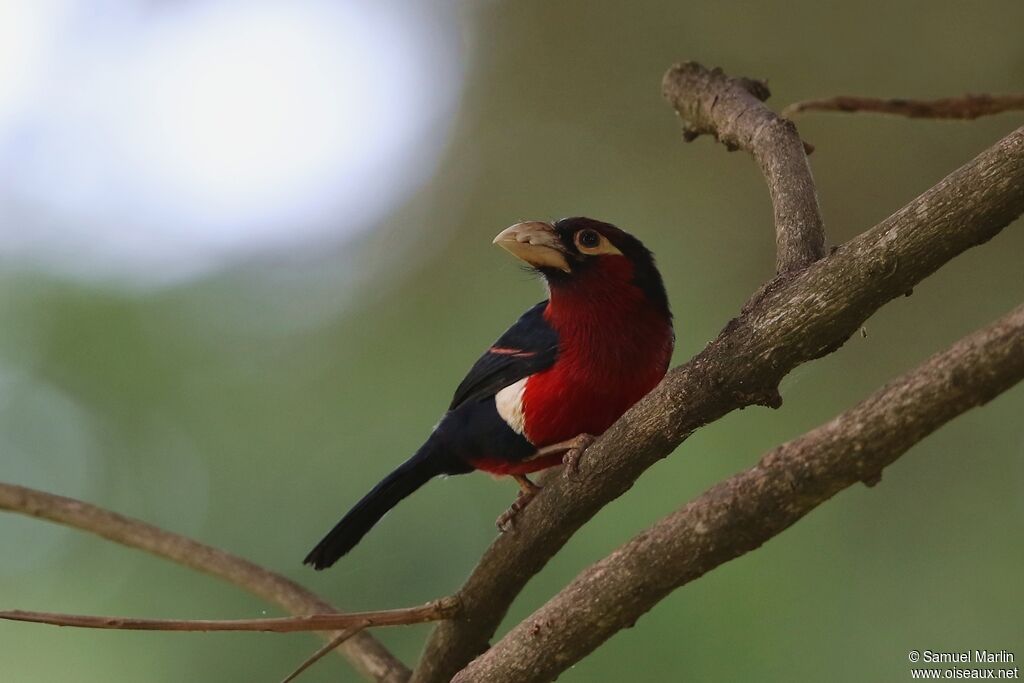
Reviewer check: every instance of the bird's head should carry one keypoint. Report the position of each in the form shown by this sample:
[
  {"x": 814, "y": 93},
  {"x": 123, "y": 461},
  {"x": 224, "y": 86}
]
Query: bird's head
[{"x": 577, "y": 254}]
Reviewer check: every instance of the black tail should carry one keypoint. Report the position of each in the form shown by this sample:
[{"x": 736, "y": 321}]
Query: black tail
[{"x": 410, "y": 475}]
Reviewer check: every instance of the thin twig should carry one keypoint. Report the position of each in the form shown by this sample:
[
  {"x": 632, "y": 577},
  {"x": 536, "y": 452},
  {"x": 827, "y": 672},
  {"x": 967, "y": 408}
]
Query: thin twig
[
  {"x": 748, "y": 509},
  {"x": 431, "y": 611},
  {"x": 791, "y": 321},
  {"x": 364, "y": 651},
  {"x": 323, "y": 651},
  {"x": 733, "y": 111},
  {"x": 967, "y": 107}
]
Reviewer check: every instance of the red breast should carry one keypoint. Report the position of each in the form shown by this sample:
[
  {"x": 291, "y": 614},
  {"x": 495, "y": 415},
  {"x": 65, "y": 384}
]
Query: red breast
[{"x": 614, "y": 347}]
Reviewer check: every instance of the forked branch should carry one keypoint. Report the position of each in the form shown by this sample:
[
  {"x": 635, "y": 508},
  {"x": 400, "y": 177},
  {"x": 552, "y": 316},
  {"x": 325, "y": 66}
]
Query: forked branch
[{"x": 733, "y": 111}]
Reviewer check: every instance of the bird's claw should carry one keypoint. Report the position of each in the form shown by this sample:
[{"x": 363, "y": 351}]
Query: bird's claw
[
  {"x": 572, "y": 453},
  {"x": 577, "y": 447},
  {"x": 506, "y": 520}
]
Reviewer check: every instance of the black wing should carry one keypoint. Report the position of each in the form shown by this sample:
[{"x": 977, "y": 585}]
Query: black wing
[{"x": 529, "y": 346}]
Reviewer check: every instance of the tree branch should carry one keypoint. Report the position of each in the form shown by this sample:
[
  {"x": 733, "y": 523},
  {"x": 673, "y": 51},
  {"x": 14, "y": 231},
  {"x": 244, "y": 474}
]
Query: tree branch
[
  {"x": 431, "y": 611},
  {"x": 748, "y": 509},
  {"x": 365, "y": 653},
  {"x": 732, "y": 110},
  {"x": 794, "y": 319},
  {"x": 967, "y": 107}
]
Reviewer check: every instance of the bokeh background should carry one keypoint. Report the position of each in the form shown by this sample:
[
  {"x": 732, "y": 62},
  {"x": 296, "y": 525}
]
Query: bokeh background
[{"x": 245, "y": 258}]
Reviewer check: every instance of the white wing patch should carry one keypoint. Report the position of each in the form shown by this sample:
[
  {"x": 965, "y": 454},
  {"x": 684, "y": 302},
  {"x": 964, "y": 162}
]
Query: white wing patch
[{"x": 509, "y": 402}]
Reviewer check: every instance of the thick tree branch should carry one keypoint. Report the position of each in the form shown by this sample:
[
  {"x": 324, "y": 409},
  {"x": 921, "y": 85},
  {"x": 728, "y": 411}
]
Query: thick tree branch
[
  {"x": 732, "y": 110},
  {"x": 795, "y": 318},
  {"x": 431, "y": 611},
  {"x": 743, "y": 512},
  {"x": 967, "y": 107},
  {"x": 362, "y": 650}
]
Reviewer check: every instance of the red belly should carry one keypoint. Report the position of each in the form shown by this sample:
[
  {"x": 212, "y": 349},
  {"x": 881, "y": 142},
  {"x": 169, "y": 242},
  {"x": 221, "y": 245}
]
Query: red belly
[{"x": 496, "y": 466}]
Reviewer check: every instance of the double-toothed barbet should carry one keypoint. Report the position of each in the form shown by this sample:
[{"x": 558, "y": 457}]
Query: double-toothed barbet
[{"x": 563, "y": 373}]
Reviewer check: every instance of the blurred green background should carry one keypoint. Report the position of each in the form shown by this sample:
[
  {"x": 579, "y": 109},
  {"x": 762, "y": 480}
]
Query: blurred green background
[{"x": 249, "y": 405}]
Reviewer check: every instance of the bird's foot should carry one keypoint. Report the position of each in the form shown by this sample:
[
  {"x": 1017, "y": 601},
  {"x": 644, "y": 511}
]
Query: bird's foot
[
  {"x": 572, "y": 451},
  {"x": 577, "y": 447},
  {"x": 527, "y": 491}
]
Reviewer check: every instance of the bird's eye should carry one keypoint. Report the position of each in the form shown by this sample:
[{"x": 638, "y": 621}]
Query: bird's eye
[{"x": 588, "y": 239}]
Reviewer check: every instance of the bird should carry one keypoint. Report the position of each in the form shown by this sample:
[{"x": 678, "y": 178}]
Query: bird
[{"x": 554, "y": 381}]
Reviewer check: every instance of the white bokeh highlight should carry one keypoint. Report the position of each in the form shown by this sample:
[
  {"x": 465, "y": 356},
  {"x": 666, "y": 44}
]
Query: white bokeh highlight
[{"x": 153, "y": 142}]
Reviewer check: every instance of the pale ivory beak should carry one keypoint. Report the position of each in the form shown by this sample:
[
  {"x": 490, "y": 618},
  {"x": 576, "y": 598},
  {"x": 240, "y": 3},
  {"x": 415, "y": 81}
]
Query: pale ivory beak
[{"x": 534, "y": 242}]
